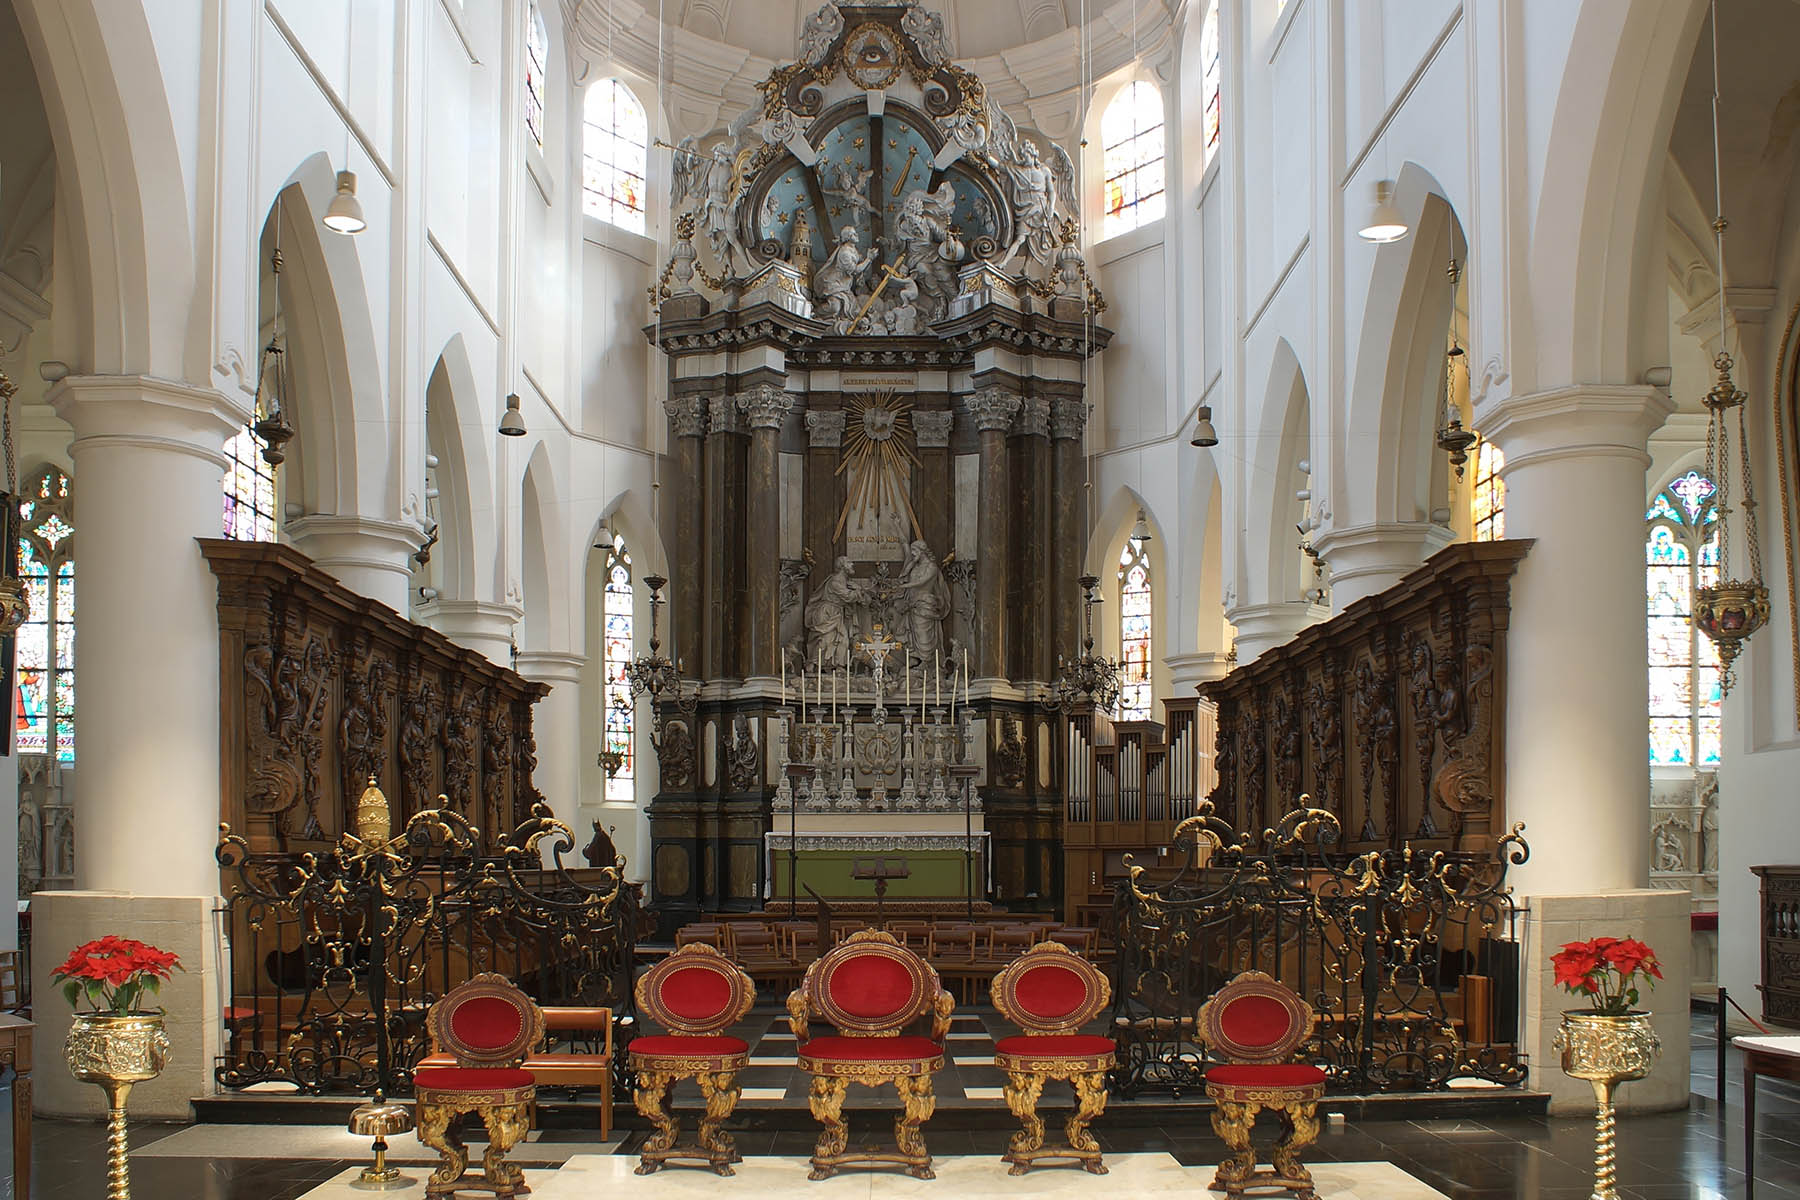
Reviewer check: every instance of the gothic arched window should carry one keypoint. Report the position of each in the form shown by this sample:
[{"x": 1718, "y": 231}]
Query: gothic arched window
[
  {"x": 249, "y": 489},
  {"x": 1135, "y": 630},
  {"x": 1131, "y": 143},
  {"x": 1681, "y": 553},
  {"x": 1209, "y": 82},
  {"x": 618, "y": 648},
  {"x": 44, "y": 712},
  {"x": 615, "y": 155},
  {"x": 1487, "y": 498},
  {"x": 537, "y": 63}
]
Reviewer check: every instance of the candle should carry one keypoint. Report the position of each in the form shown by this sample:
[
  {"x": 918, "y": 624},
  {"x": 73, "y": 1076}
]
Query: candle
[
  {"x": 965, "y": 676},
  {"x": 908, "y": 669},
  {"x": 834, "y": 697},
  {"x": 953, "y": 691},
  {"x": 819, "y": 679},
  {"x": 784, "y": 681},
  {"x": 937, "y": 677}
]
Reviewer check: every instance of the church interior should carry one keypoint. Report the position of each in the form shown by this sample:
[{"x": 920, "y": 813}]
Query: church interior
[{"x": 645, "y": 562}]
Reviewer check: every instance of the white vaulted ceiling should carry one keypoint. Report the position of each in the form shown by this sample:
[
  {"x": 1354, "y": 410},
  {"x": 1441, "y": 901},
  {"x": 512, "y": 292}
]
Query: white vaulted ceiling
[{"x": 771, "y": 28}]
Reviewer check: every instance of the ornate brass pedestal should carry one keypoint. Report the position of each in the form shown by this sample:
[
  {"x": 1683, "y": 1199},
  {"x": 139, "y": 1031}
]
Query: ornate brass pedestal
[
  {"x": 1606, "y": 1051},
  {"x": 378, "y": 1119},
  {"x": 115, "y": 1053}
]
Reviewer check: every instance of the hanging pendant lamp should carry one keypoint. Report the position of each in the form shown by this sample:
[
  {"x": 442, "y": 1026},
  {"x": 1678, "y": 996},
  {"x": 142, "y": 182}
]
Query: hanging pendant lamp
[
  {"x": 345, "y": 212},
  {"x": 1384, "y": 223}
]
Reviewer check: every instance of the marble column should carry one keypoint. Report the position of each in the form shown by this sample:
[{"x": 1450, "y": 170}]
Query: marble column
[
  {"x": 1068, "y": 523},
  {"x": 1576, "y": 687},
  {"x": 765, "y": 407},
  {"x": 480, "y": 625},
  {"x": 992, "y": 409},
  {"x": 934, "y": 482},
  {"x": 556, "y": 727},
  {"x": 370, "y": 557},
  {"x": 687, "y": 431},
  {"x": 824, "y": 489},
  {"x": 722, "y": 541},
  {"x": 148, "y": 466},
  {"x": 1367, "y": 559},
  {"x": 1033, "y": 654}
]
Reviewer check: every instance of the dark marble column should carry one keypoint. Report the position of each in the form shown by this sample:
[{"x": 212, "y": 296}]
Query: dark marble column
[
  {"x": 824, "y": 488},
  {"x": 722, "y": 542},
  {"x": 992, "y": 409},
  {"x": 687, "y": 429},
  {"x": 1027, "y": 603},
  {"x": 764, "y": 406},
  {"x": 1068, "y": 522},
  {"x": 934, "y": 483}
]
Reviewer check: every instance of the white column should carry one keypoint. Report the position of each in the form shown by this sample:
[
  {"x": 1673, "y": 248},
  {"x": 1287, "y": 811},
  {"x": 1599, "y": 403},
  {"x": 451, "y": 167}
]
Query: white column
[
  {"x": 1262, "y": 627},
  {"x": 1189, "y": 671},
  {"x": 478, "y": 625},
  {"x": 1369, "y": 559},
  {"x": 372, "y": 558},
  {"x": 1577, "y": 766},
  {"x": 556, "y": 726}
]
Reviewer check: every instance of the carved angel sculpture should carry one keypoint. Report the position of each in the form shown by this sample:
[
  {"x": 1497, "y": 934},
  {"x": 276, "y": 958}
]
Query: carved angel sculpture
[
  {"x": 687, "y": 173},
  {"x": 1039, "y": 189},
  {"x": 716, "y": 215}
]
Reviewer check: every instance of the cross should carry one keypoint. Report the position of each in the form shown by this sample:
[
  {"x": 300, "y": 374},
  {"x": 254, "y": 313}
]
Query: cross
[
  {"x": 887, "y": 274},
  {"x": 877, "y": 647}
]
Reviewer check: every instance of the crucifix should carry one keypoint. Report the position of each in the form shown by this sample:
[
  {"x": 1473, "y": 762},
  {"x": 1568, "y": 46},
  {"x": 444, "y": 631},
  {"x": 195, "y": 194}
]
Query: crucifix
[
  {"x": 876, "y": 647},
  {"x": 888, "y": 274}
]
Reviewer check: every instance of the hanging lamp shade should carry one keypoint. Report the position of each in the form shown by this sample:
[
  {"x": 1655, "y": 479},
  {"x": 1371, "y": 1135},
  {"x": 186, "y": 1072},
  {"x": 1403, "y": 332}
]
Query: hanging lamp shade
[
  {"x": 1141, "y": 531},
  {"x": 1384, "y": 224},
  {"x": 512, "y": 421},
  {"x": 345, "y": 213},
  {"x": 1204, "y": 433}
]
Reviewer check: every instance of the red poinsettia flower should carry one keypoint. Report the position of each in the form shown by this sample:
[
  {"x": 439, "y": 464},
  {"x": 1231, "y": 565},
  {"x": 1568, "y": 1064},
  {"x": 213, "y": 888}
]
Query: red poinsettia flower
[
  {"x": 1603, "y": 969},
  {"x": 114, "y": 973}
]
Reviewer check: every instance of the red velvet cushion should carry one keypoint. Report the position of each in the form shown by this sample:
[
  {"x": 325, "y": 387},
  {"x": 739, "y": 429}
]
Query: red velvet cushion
[
  {"x": 872, "y": 987},
  {"x": 486, "y": 1022},
  {"x": 1252, "y": 1021},
  {"x": 696, "y": 993},
  {"x": 1050, "y": 993},
  {"x": 698, "y": 1045},
  {"x": 472, "y": 1079},
  {"x": 1057, "y": 1045},
  {"x": 883, "y": 1049},
  {"x": 1265, "y": 1075}
]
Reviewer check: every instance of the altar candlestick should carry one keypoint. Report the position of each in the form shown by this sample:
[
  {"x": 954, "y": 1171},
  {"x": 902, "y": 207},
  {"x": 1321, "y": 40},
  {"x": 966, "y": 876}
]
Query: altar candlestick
[
  {"x": 965, "y": 676},
  {"x": 819, "y": 679},
  {"x": 784, "y": 681},
  {"x": 908, "y": 701},
  {"x": 834, "y": 697},
  {"x": 937, "y": 677},
  {"x": 953, "y": 692}
]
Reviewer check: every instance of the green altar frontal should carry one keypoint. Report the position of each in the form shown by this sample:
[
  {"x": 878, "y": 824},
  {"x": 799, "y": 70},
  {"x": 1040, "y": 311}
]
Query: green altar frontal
[{"x": 936, "y": 867}]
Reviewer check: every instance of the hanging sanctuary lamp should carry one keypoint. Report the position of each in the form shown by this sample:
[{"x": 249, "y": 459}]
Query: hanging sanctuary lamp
[
  {"x": 1453, "y": 439},
  {"x": 15, "y": 604},
  {"x": 1728, "y": 610},
  {"x": 268, "y": 420}
]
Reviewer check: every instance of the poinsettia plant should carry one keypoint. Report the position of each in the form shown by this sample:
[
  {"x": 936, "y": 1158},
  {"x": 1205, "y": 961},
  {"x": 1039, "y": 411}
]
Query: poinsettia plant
[
  {"x": 112, "y": 974},
  {"x": 1605, "y": 970}
]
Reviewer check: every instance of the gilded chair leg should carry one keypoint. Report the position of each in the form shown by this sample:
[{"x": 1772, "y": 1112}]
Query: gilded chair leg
[
  {"x": 651, "y": 1097},
  {"x": 827, "y": 1104},
  {"x": 437, "y": 1129},
  {"x": 1022, "y": 1092},
  {"x": 1090, "y": 1102},
  {"x": 1302, "y": 1130},
  {"x": 1232, "y": 1121},
  {"x": 918, "y": 1101},
  {"x": 721, "y": 1093},
  {"x": 506, "y": 1126}
]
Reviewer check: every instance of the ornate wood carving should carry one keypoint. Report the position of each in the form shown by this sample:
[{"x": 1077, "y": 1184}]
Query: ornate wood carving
[
  {"x": 1780, "y": 902},
  {"x": 322, "y": 689},
  {"x": 1423, "y": 665}
]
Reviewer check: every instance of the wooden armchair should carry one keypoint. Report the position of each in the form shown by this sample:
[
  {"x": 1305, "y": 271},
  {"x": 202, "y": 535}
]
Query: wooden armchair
[
  {"x": 488, "y": 1026},
  {"x": 1050, "y": 992}
]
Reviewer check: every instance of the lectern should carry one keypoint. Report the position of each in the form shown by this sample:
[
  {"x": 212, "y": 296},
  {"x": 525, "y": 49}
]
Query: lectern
[{"x": 880, "y": 870}]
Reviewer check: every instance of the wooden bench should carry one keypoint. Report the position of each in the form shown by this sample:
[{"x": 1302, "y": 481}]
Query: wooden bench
[{"x": 568, "y": 1069}]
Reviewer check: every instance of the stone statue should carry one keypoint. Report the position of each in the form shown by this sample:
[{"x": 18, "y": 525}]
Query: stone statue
[
  {"x": 834, "y": 286},
  {"x": 929, "y": 248},
  {"x": 831, "y": 615},
  {"x": 850, "y": 183},
  {"x": 1038, "y": 187},
  {"x": 924, "y": 603},
  {"x": 715, "y": 212},
  {"x": 903, "y": 317}
]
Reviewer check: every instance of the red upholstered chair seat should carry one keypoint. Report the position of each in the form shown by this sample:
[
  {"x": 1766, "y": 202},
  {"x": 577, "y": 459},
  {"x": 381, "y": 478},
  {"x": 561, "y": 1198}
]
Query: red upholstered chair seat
[
  {"x": 472, "y": 1079},
  {"x": 871, "y": 1049},
  {"x": 1266, "y": 1075},
  {"x": 1056, "y": 1045},
  {"x": 663, "y": 1045}
]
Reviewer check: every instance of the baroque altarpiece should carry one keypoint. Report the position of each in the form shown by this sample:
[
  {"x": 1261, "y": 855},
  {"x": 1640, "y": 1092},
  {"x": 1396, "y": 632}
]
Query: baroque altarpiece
[{"x": 878, "y": 324}]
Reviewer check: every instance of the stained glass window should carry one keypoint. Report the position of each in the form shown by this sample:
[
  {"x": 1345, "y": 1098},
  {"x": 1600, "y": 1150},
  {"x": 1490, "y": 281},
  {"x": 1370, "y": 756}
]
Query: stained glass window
[
  {"x": 1131, "y": 140},
  {"x": 249, "y": 489},
  {"x": 615, "y": 150},
  {"x": 1209, "y": 80},
  {"x": 537, "y": 61},
  {"x": 1487, "y": 500},
  {"x": 44, "y": 708},
  {"x": 1681, "y": 553},
  {"x": 1135, "y": 630},
  {"x": 619, "y": 647}
]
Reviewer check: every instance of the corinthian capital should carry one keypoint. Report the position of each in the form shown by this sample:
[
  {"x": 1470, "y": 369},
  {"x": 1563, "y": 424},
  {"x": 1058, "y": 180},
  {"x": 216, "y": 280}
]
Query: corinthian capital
[
  {"x": 687, "y": 414},
  {"x": 1068, "y": 417},
  {"x": 932, "y": 428},
  {"x": 765, "y": 405},
  {"x": 722, "y": 413},
  {"x": 825, "y": 427},
  {"x": 1034, "y": 416},
  {"x": 993, "y": 408}
]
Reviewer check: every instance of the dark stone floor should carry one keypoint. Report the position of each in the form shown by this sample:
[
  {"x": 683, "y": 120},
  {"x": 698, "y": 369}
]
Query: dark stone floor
[{"x": 1693, "y": 1155}]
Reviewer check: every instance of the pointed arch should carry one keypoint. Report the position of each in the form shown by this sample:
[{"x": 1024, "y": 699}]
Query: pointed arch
[
  {"x": 544, "y": 558},
  {"x": 456, "y": 434},
  {"x": 1283, "y": 442}
]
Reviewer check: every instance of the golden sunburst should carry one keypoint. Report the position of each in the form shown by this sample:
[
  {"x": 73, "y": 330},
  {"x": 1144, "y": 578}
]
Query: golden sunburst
[{"x": 878, "y": 457}]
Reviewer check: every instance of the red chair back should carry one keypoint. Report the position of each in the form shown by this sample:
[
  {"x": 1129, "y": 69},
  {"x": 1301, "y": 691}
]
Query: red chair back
[
  {"x": 486, "y": 1022},
  {"x": 1050, "y": 989},
  {"x": 870, "y": 984},
  {"x": 695, "y": 990},
  {"x": 1254, "y": 1019}
]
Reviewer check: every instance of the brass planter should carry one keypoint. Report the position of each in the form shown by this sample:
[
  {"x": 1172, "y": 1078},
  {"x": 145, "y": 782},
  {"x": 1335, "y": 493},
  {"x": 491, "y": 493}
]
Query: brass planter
[
  {"x": 1606, "y": 1051},
  {"x": 115, "y": 1053}
]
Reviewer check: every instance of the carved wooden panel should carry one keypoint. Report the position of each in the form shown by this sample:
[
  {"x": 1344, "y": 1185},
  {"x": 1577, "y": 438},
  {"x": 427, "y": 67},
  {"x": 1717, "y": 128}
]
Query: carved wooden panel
[
  {"x": 322, "y": 689},
  {"x": 1389, "y": 714},
  {"x": 1780, "y": 903}
]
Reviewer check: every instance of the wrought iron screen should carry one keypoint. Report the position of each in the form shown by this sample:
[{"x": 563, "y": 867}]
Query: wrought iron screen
[
  {"x": 1408, "y": 957},
  {"x": 336, "y": 955}
]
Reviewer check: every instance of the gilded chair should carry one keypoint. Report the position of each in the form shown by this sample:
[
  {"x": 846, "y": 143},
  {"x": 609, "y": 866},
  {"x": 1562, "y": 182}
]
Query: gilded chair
[
  {"x": 870, "y": 988},
  {"x": 696, "y": 994},
  {"x": 1256, "y": 1025},
  {"x": 487, "y": 1026},
  {"x": 1050, "y": 992}
]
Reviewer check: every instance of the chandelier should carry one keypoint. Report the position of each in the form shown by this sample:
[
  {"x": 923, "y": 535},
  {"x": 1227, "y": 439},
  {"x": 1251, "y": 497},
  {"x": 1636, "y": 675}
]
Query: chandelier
[
  {"x": 1728, "y": 610},
  {"x": 654, "y": 673},
  {"x": 1089, "y": 677},
  {"x": 1453, "y": 439}
]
